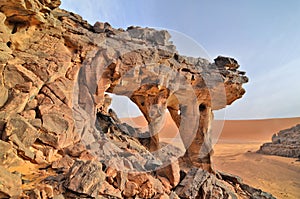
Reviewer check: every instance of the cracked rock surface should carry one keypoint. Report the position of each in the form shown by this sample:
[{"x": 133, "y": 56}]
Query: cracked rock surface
[{"x": 58, "y": 138}]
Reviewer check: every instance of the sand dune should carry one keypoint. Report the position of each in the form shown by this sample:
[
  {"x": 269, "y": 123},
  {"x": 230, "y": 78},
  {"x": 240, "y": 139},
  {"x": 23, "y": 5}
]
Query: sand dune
[
  {"x": 254, "y": 130},
  {"x": 169, "y": 130},
  {"x": 228, "y": 130}
]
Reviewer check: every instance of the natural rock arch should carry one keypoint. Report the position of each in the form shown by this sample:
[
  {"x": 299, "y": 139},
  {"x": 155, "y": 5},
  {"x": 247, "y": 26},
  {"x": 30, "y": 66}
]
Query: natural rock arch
[
  {"x": 156, "y": 78},
  {"x": 51, "y": 63}
]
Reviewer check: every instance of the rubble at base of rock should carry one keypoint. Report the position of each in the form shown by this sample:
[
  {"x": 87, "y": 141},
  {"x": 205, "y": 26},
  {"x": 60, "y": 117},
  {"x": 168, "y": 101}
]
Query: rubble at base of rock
[{"x": 58, "y": 140}]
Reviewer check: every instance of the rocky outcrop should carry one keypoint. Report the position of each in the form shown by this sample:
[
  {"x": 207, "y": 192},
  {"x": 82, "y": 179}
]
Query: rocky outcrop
[
  {"x": 58, "y": 138},
  {"x": 197, "y": 184},
  {"x": 47, "y": 52},
  {"x": 286, "y": 143},
  {"x": 143, "y": 65}
]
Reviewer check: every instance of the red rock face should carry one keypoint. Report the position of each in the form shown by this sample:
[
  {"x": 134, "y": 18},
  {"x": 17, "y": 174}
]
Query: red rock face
[{"x": 54, "y": 124}]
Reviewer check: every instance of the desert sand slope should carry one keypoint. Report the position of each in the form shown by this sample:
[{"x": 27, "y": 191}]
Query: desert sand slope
[
  {"x": 253, "y": 130},
  {"x": 279, "y": 176},
  {"x": 169, "y": 130},
  {"x": 228, "y": 130}
]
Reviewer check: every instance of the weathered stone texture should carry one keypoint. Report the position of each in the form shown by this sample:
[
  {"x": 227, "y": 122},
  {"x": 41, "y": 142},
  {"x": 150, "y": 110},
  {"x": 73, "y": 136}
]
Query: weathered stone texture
[
  {"x": 58, "y": 137},
  {"x": 286, "y": 143}
]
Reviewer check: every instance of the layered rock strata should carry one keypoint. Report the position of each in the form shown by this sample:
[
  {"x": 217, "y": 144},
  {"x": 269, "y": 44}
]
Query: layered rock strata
[
  {"x": 285, "y": 143},
  {"x": 58, "y": 140}
]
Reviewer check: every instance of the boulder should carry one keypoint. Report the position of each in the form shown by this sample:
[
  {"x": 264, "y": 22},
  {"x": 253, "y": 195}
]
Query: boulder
[
  {"x": 10, "y": 184},
  {"x": 23, "y": 130},
  {"x": 171, "y": 172},
  {"x": 190, "y": 186},
  {"x": 131, "y": 189},
  {"x": 86, "y": 178}
]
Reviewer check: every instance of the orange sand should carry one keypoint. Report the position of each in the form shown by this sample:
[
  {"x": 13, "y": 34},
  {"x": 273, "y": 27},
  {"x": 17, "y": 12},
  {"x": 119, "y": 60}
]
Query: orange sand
[
  {"x": 235, "y": 153},
  {"x": 279, "y": 176}
]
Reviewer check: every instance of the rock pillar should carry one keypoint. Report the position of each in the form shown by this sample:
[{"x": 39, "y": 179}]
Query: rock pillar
[
  {"x": 197, "y": 141},
  {"x": 153, "y": 108},
  {"x": 200, "y": 150}
]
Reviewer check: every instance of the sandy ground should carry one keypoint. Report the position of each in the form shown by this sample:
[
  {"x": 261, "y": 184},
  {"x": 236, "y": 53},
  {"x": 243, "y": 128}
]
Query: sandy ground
[
  {"x": 235, "y": 153},
  {"x": 277, "y": 175}
]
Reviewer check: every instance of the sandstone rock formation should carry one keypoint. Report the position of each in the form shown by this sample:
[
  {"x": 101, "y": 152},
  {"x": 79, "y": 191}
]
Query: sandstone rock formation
[
  {"x": 58, "y": 140},
  {"x": 286, "y": 143}
]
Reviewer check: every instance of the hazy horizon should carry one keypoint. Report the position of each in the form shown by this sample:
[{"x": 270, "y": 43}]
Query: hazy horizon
[{"x": 249, "y": 119}]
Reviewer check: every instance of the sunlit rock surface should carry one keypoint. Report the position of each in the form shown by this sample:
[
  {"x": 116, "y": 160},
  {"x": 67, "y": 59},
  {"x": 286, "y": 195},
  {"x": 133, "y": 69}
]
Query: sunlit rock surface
[
  {"x": 58, "y": 138},
  {"x": 285, "y": 143}
]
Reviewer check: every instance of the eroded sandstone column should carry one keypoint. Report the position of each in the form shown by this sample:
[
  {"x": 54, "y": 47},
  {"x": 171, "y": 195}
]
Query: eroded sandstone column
[
  {"x": 196, "y": 141},
  {"x": 153, "y": 108},
  {"x": 200, "y": 150}
]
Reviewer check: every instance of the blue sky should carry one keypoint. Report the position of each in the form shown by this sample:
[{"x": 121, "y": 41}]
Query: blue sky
[{"x": 263, "y": 35}]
